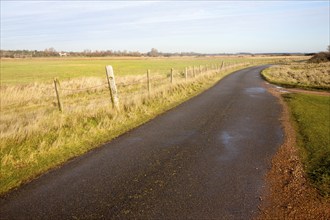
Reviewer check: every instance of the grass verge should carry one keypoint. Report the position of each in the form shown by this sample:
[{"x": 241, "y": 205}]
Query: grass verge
[
  {"x": 60, "y": 136},
  {"x": 303, "y": 75},
  {"x": 311, "y": 114}
]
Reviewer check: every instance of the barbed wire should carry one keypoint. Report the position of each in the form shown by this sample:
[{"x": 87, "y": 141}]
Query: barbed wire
[
  {"x": 25, "y": 104},
  {"x": 136, "y": 87},
  {"x": 160, "y": 80},
  {"x": 132, "y": 83},
  {"x": 84, "y": 89},
  {"x": 128, "y": 84}
]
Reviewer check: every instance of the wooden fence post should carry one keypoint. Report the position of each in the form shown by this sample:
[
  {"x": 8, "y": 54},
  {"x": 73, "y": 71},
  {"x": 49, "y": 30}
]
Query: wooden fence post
[
  {"x": 149, "y": 83},
  {"x": 59, "y": 103},
  {"x": 171, "y": 75},
  {"x": 222, "y": 65},
  {"x": 193, "y": 71},
  {"x": 112, "y": 87},
  {"x": 186, "y": 73}
]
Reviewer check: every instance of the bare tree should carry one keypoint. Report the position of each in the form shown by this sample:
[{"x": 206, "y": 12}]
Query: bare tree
[{"x": 153, "y": 53}]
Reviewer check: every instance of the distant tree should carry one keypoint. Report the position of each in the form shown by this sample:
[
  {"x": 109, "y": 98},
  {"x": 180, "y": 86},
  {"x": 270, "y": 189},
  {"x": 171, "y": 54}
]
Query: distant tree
[
  {"x": 153, "y": 53},
  {"x": 329, "y": 48},
  {"x": 48, "y": 52}
]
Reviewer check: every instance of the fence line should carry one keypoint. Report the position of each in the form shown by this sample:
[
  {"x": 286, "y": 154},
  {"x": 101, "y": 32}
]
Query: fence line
[
  {"x": 85, "y": 89},
  {"x": 148, "y": 84}
]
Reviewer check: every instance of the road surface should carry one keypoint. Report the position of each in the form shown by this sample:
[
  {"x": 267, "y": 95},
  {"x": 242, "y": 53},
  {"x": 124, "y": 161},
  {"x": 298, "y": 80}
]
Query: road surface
[{"x": 205, "y": 159}]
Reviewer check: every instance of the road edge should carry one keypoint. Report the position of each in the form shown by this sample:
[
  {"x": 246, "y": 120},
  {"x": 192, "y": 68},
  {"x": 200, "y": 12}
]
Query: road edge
[{"x": 289, "y": 194}]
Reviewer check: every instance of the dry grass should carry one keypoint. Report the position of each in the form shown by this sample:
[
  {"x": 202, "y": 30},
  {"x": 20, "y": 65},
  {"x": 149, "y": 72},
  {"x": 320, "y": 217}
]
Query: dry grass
[{"x": 305, "y": 75}]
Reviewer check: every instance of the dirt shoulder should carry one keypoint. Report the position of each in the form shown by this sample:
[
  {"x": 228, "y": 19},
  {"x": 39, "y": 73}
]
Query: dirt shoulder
[
  {"x": 289, "y": 194},
  {"x": 296, "y": 90}
]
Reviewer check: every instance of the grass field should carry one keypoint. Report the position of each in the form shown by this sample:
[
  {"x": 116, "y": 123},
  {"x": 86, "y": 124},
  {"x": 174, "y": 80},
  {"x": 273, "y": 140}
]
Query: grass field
[
  {"x": 312, "y": 116},
  {"x": 36, "y": 137},
  {"x": 23, "y": 71},
  {"x": 304, "y": 75},
  {"x": 43, "y": 70}
]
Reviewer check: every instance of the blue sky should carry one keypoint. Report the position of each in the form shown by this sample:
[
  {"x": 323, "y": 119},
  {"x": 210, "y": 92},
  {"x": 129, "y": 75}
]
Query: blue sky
[{"x": 169, "y": 26}]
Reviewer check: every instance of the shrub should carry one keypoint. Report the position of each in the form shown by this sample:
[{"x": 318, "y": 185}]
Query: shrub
[{"x": 320, "y": 57}]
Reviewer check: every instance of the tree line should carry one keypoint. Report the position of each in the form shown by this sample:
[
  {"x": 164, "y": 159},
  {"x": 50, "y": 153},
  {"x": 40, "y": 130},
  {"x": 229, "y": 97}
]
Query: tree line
[{"x": 51, "y": 52}]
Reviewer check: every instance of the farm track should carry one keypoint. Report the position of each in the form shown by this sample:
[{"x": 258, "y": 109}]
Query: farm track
[{"x": 205, "y": 159}]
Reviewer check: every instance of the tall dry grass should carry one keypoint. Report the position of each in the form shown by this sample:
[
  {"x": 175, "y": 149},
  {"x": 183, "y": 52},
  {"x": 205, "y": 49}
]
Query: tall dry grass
[{"x": 307, "y": 75}]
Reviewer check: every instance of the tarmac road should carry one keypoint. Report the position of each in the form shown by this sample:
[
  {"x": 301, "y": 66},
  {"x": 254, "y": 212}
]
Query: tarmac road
[{"x": 205, "y": 159}]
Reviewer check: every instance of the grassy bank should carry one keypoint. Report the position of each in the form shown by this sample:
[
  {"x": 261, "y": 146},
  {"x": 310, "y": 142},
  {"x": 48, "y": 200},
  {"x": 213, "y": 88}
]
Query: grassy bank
[
  {"x": 311, "y": 114},
  {"x": 303, "y": 75}
]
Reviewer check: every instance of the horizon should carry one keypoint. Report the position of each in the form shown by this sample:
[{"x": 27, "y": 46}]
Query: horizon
[
  {"x": 211, "y": 27},
  {"x": 164, "y": 52}
]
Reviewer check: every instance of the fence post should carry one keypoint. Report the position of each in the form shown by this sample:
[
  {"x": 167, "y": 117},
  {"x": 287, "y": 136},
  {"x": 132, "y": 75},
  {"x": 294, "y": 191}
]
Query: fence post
[
  {"x": 171, "y": 75},
  {"x": 149, "y": 84},
  {"x": 112, "y": 87},
  {"x": 186, "y": 73},
  {"x": 56, "y": 84},
  {"x": 222, "y": 65}
]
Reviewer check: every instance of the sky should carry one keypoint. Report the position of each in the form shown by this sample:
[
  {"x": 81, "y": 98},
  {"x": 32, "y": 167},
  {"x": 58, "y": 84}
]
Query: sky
[{"x": 169, "y": 26}]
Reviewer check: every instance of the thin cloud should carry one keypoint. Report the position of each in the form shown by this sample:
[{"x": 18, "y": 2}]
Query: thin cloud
[{"x": 150, "y": 24}]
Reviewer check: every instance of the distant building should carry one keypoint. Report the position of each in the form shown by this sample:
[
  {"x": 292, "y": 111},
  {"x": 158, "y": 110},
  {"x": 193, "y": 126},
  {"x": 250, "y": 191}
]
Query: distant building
[{"x": 63, "y": 54}]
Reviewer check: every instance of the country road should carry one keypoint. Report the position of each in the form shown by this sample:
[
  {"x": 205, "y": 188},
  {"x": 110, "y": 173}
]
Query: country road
[{"x": 205, "y": 159}]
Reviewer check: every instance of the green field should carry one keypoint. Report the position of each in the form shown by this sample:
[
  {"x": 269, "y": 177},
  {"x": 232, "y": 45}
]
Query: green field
[
  {"x": 19, "y": 71},
  {"x": 312, "y": 116}
]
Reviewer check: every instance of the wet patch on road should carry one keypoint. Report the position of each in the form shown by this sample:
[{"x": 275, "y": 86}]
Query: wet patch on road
[
  {"x": 228, "y": 142},
  {"x": 255, "y": 90}
]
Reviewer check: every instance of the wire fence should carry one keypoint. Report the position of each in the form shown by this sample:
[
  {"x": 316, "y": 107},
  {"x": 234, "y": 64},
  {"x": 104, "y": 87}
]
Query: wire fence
[{"x": 68, "y": 98}]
